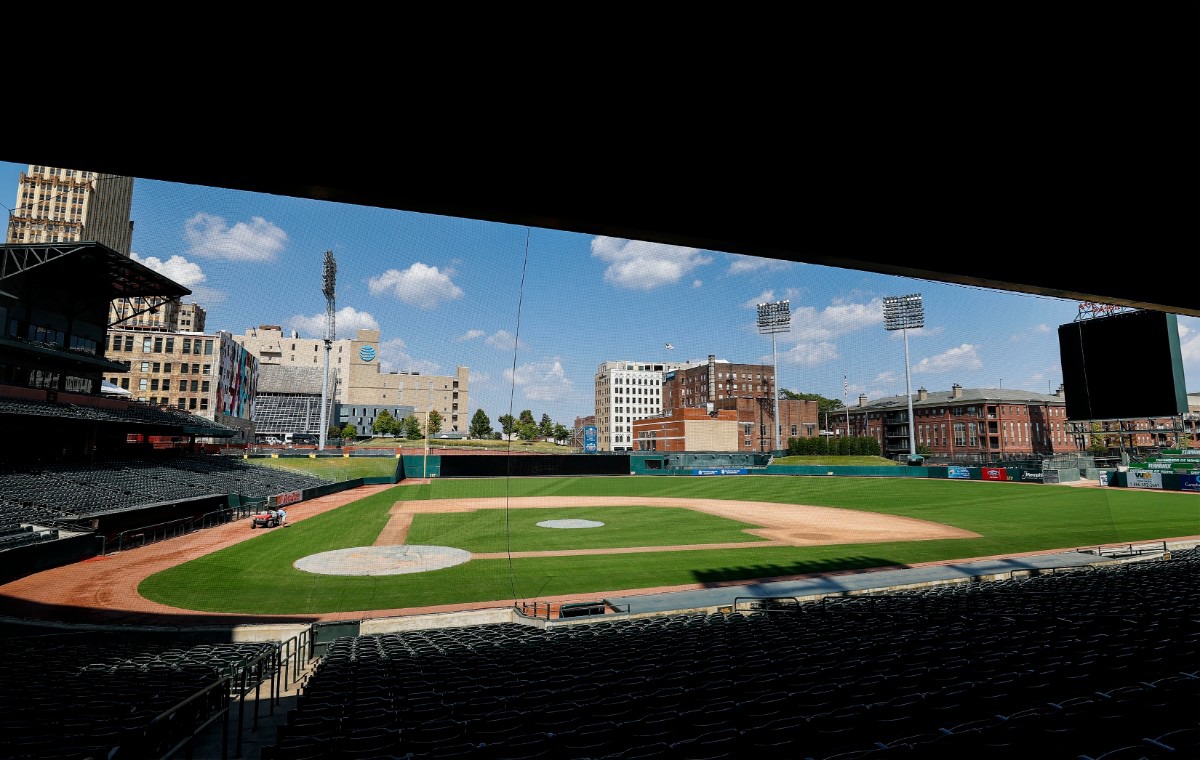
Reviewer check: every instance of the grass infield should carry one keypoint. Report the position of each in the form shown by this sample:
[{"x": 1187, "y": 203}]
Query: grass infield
[{"x": 257, "y": 576}]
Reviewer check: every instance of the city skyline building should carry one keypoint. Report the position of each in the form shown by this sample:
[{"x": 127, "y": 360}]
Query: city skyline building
[
  {"x": 361, "y": 386},
  {"x": 209, "y": 375},
  {"x": 626, "y": 391}
]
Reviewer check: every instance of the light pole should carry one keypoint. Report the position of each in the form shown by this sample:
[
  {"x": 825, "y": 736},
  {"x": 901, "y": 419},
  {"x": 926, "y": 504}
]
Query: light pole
[
  {"x": 327, "y": 288},
  {"x": 775, "y": 318},
  {"x": 901, "y": 313}
]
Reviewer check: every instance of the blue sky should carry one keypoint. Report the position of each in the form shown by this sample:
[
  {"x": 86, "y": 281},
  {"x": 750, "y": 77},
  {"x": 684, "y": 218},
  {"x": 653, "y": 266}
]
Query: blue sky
[{"x": 533, "y": 312}]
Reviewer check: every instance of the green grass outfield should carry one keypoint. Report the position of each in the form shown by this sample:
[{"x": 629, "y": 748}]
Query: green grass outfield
[{"x": 257, "y": 576}]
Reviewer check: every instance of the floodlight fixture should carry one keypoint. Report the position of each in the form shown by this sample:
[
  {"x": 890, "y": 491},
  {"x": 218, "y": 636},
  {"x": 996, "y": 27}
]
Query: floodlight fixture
[
  {"x": 905, "y": 313},
  {"x": 775, "y": 317},
  {"x": 329, "y": 277}
]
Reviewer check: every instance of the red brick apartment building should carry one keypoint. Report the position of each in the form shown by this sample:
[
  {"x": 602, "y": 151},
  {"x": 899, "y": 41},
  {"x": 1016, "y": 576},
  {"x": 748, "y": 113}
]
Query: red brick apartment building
[{"x": 967, "y": 423}]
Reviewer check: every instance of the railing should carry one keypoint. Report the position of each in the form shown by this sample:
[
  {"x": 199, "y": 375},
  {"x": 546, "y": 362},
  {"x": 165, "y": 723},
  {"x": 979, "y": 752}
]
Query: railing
[
  {"x": 1125, "y": 550},
  {"x": 149, "y": 534},
  {"x": 294, "y": 654}
]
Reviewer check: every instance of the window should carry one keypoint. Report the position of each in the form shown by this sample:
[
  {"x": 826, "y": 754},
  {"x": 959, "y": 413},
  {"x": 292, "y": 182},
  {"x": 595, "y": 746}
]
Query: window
[
  {"x": 195, "y": 385},
  {"x": 145, "y": 366},
  {"x": 182, "y": 403},
  {"x": 166, "y": 384},
  {"x": 142, "y": 384},
  {"x": 158, "y": 345},
  {"x": 125, "y": 383},
  {"x": 204, "y": 386},
  {"x": 191, "y": 403},
  {"x": 207, "y": 367},
  {"x": 170, "y": 346},
  {"x": 184, "y": 368},
  {"x": 203, "y": 404},
  {"x": 128, "y": 342},
  {"x": 154, "y": 384},
  {"x": 208, "y": 348},
  {"x": 116, "y": 346},
  {"x": 167, "y": 367},
  {"x": 147, "y": 344},
  {"x": 195, "y": 369}
]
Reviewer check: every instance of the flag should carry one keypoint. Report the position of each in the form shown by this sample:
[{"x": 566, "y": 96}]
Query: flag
[
  {"x": 845, "y": 387},
  {"x": 670, "y": 347}
]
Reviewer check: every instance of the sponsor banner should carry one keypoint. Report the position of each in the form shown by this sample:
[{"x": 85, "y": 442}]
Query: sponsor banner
[
  {"x": 1189, "y": 482},
  {"x": 1031, "y": 476},
  {"x": 1104, "y": 477},
  {"x": 958, "y": 472},
  {"x": 291, "y": 497},
  {"x": 1145, "y": 479},
  {"x": 994, "y": 473},
  {"x": 1051, "y": 477},
  {"x": 589, "y": 438},
  {"x": 722, "y": 471}
]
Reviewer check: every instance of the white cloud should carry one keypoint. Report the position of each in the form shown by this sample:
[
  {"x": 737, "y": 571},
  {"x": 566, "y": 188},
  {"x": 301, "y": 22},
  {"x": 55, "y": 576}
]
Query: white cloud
[
  {"x": 504, "y": 340},
  {"x": 541, "y": 381},
  {"x": 697, "y": 283},
  {"x": 470, "y": 335},
  {"x": 420, "y": 285},
  {"x": 1036, "y": 332},
  {"x": 211, "y": 237},
  {"x": 177, "y": 268},
  {"x": 837, "y": 319},
  {"x": 742, "y": 264},
  {"x": 347, "y": 321},
  {"x": 807, "y": 354},
  {"x": 394, "y": 356},
  {"x": 961, "y": 357},
  {"x": 638, "y": 265}
]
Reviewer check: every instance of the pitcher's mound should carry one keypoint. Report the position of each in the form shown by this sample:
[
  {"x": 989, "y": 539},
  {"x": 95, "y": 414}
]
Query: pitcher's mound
[
  {"x": 382, "y": 560},
  {"x": 570, "y": 524}
]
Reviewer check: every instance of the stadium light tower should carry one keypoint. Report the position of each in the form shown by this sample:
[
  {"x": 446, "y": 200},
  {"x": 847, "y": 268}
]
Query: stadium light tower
[
  {"x": 902, "y": 313},
  {"x": 775, "y": 318},
  {"x": 328, "y": 280}
]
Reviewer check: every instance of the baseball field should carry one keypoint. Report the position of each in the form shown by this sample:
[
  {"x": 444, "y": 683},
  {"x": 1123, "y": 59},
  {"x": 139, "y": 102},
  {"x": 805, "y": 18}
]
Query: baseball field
[{"x": 476, "y": 541}]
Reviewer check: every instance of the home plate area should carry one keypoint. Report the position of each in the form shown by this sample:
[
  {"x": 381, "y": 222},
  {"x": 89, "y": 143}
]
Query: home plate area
[{"x": 383, "y": 560}]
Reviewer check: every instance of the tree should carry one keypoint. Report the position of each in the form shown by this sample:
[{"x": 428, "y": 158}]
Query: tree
[
  {"x": 410, "y": 426},
  {"x": 527, "y": 431},
  {"x": 526, "y": 417},
  {"x": 481, "y": 426},
  {"x": 433, "y": 424},
  {"x": 508, "y": 424},
  {"x": 349, "y": 431},
  {"x": 824, "y": 405},
  {"x": 560, "y": 433},
  {"x": 335, "y": 431},
  {"x": 546, "y": 427},
  {"x": 384, "y": 424}
]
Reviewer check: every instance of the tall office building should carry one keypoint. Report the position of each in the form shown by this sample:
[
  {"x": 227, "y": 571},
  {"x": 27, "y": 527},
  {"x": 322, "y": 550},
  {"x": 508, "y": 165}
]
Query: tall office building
[
  {"x": 56, "y": 205},
  {"x": 627, "y": 391}
]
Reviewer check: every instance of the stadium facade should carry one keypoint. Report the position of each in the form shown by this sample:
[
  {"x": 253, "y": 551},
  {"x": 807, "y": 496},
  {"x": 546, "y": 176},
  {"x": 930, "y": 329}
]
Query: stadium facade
[{"x": 358, "y": 384}]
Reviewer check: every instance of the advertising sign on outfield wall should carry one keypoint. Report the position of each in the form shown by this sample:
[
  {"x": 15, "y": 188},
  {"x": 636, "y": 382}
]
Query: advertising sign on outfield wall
[
  {"x": 589, "y": 438},
  {"x": 958, "y": 472},
  {"x": 993, "y": 473},
  {"x": 722, "y": 471},
  {"x": 1189, "y": 482},
  {"x": 1145, "y": 479}
]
